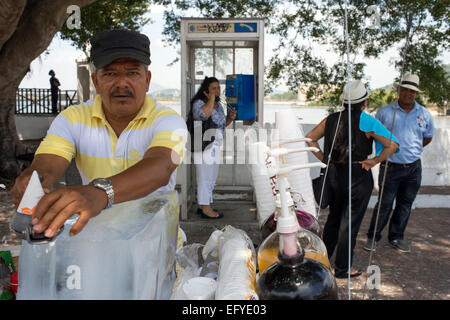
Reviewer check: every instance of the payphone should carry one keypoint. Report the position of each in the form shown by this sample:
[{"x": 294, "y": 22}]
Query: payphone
[{"x": 240, "y": 95}]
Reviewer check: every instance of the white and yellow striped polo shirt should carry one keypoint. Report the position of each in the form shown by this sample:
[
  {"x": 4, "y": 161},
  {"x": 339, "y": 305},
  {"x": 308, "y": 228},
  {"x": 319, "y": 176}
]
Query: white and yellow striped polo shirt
[{"x": 82, "y": 132}]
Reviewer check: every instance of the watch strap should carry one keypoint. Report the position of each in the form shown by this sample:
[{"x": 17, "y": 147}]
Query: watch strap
[{"x": 105, "y": 185}]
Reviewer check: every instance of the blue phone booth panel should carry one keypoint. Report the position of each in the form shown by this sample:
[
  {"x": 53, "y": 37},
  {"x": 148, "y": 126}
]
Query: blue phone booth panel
[{"x": 240, "y": 94}]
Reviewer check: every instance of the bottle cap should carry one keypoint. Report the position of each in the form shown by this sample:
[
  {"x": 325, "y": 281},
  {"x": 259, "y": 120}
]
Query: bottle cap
[
  {"x": 287, "y": 224},
  {"x": 33, "y": 193}
]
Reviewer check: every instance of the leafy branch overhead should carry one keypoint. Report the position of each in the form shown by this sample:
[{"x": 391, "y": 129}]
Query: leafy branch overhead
[
  {"x": 375, "y": 26},
  {"x": 28, "y": 27},
  {"x": 105, "y": 15}
]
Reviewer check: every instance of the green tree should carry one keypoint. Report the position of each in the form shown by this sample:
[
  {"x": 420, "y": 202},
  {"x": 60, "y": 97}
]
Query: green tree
[
  {"x": 285, "y": 96},
  {"x": 27, "y": 28},
  {"x": 380, "y": 98},
  {"x": 417, "y": 29},
  {"x": 104, "y": 15}
]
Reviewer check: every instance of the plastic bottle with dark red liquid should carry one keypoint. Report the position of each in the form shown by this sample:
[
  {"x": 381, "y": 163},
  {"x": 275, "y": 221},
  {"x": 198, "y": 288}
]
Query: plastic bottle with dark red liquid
[
  {"x": 313, "y": 248},
  {"x": 295, "y": 277},
  {"x": 312, "y": 245},
  {"x": 306, "y": 220}
]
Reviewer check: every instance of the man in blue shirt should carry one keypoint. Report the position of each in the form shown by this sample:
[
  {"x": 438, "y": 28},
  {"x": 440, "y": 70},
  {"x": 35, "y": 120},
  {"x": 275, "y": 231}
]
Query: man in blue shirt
[{"x": 413, "y": 127}]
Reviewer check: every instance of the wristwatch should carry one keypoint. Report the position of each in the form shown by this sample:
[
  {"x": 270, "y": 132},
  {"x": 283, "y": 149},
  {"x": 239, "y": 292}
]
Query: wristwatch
[{"x": 105, "y": 185}]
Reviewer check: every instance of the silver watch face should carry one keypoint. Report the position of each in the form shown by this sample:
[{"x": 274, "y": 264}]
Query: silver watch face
[
  {"x": 105, "y": 185},
  {"x": 102, "y": 182}
]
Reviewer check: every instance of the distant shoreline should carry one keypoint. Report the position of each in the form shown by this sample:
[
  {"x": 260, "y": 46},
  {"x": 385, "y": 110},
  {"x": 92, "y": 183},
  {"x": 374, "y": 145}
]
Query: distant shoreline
[
  {"x": 165, "y": 102},
  {"x": 434, "y": 110},
  {"x": 268, "y": 102}
]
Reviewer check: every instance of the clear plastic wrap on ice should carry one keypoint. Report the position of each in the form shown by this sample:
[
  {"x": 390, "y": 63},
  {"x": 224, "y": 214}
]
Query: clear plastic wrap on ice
[{"x": 126, "y": 252}]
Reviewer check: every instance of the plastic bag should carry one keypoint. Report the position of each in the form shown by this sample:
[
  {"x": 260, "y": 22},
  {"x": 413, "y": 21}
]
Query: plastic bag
[
  {"x": 212, "y": 244},
  {"x": 188, "y": 260},
  {"x": 237, "y": 268}
]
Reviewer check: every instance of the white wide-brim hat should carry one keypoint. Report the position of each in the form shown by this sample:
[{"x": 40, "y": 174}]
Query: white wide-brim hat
[
  {"x": 410, "y": 81},
  {"x": 358, "y": 92}
]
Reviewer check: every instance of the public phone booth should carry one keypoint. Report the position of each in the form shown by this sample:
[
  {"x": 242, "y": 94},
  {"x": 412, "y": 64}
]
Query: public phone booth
[{"x": 232, "y": 50}]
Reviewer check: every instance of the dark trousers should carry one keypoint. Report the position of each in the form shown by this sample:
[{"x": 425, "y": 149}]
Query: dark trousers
[
  {"x": 54, "y": 102},
  {"x": 335, "y": 232},
  {"x": 402, "y": 184}
]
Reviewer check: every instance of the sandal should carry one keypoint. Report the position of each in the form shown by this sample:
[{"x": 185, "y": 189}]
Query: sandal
[
  {"x": 343, "y": 275},
  {"x": 205, "y": 216}
]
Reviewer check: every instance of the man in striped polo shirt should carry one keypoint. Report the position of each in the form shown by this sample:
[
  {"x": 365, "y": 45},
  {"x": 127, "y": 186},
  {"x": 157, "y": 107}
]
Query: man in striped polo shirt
[{"x": 125, "y": 145}]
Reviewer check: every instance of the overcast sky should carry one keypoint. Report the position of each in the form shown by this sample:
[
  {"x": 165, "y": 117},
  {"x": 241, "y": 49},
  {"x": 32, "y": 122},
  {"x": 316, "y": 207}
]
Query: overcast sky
[{"x": 61, "y": 58}]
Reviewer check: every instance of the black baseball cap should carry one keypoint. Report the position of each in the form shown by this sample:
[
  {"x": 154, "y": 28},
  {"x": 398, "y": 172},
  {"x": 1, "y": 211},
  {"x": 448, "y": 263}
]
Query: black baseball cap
[{"x": 114, "y": 44}]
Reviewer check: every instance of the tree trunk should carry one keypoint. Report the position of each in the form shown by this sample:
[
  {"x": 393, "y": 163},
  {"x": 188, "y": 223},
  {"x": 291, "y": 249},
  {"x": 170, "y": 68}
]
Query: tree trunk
[
  {"x": 8, "y": 136},
  {"x": 27, "y": 27}
]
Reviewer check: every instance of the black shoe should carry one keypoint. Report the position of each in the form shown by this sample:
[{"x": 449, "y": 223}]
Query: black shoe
[
  {"x": 204, "y": 216},
  {"x": 343, "y": 275},
  {"x": 200, "y": 211},
  {"x": 400, "y": 245},
  {"x": 369, "y": 247}
]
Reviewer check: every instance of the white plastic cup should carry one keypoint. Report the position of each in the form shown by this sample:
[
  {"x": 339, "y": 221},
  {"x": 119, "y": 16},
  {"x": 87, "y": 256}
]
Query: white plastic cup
[
  {"x": 287, "y": 124},
  {"x": 264, "y": 190},
  {"x": 33, "y": 193},
  {"x": 265, "y": 200},
  {"x": 200, "y": 288},
  {"x": 299, "y": 180},
  {"x": 264, "y": 194}
]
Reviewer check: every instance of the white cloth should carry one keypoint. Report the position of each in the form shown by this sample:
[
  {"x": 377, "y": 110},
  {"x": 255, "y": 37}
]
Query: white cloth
[{"x": 207, "y": 169}]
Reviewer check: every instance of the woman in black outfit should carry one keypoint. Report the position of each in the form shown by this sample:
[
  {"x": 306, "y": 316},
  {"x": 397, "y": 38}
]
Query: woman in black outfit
[{"x": 365, "y": 129}]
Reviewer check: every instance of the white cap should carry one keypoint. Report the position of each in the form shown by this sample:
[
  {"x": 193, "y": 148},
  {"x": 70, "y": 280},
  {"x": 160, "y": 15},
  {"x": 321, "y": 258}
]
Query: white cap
[
  {"x": 33, "y": 193},
  {"x": 287, "y": 224}
]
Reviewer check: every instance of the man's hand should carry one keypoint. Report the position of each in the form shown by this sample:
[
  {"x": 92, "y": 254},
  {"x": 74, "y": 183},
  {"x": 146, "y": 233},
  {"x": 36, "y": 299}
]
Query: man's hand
[
  {"x": 50, "y": 166},
  {"x": 58, "y": 206},
  {"x": 368, "y": 164},
  {"x": 21, "y": 184}
]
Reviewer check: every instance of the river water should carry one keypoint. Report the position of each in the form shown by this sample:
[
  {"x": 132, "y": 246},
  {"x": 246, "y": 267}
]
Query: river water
[{"x": 313, "y": 115}]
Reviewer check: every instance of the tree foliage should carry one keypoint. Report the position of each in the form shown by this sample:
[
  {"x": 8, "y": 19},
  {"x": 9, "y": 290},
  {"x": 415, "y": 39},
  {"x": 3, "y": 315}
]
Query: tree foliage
[
  {"x": 285, "y": 96},
  {"x": 106, "y": 15},
  {"x": 27, "y": 28},
  {"x": 416, "y": 29}
]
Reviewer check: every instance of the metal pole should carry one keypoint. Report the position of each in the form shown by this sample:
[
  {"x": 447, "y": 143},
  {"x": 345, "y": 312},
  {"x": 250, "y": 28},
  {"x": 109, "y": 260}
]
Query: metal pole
[{"x": 349, "y": 152}]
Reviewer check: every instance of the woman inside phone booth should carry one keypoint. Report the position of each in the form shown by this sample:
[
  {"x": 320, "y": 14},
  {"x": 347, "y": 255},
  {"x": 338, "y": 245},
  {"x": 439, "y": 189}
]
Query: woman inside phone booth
[{"x": 207, "y": 111}]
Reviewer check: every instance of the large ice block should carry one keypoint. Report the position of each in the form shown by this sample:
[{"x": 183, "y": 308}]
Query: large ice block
[{"x": 126, "y": 252}]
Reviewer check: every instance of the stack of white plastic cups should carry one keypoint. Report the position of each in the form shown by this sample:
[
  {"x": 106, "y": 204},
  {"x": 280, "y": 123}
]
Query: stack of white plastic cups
[
  {"x": 264, "y": 185},
  {"x": 237, "y": 267},
  {"x": 299, "y": 180}
]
